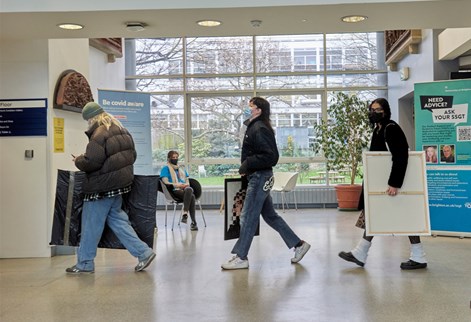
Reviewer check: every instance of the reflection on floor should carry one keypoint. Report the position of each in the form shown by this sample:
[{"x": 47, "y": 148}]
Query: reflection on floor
[{"x": 185, "y": 282}]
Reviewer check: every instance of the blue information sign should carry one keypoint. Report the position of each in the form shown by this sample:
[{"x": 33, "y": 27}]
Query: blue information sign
[
  {"x": 23, "y": 117},
  {"x": 443, "y": 131},
  {"x": 133, "y": 111}
]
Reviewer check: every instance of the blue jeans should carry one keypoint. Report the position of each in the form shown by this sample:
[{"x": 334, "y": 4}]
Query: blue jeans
[
  {"x": 258, "y": 201},
  {"x": 94, "y": 216}
]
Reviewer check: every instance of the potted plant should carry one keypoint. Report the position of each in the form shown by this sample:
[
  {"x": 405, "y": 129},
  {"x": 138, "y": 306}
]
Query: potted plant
[{"x": 343, "y": 137}]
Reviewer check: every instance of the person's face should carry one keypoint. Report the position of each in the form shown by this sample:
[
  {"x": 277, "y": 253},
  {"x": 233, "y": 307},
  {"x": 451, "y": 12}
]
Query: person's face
[
  {"x": 254, "y": 110},
  {"x": 174, "y": 157},
  {"x": 375, "y": 113},
  {"x": 446, "y": 151},
  {"x": 375, "y": 107},
  {"x": 430, "y": 152}
]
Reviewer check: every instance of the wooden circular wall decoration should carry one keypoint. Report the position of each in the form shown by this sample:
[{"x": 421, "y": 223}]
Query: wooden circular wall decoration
[{"x": 72, "y": 91}]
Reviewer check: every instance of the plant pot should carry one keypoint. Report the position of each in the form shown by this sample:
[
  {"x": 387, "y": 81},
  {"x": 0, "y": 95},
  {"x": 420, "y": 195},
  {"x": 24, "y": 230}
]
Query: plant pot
[{"x": 348, "y": 196}]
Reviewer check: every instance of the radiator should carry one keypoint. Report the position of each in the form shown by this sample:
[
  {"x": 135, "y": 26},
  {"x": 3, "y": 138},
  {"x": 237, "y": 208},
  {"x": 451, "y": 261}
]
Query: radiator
[{"x": 306, "y": 196}]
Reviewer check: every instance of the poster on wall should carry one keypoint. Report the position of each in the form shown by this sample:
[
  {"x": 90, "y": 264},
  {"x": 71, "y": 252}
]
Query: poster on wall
[
  {"x": 443, "y": 127},
  {"x": 443, "y": 131},
  {"x": 450, "y": 201},
  {"x": 132, "y": 109},
  {"x": 406, "y": 213}
]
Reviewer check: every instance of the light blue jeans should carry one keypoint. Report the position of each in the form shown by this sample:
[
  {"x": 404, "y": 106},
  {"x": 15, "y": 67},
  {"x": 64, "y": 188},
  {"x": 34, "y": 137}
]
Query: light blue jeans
[
  {"x": 94, "y": 216},
  {"x": 258, "y": 201}
]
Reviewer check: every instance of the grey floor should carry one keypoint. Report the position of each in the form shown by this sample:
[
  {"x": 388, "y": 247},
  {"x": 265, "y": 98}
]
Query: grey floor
[{"x": 185, "y": 282}]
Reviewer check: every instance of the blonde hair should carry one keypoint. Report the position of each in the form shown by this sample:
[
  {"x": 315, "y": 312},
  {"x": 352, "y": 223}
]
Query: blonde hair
[{"x": 105, "y": 119}]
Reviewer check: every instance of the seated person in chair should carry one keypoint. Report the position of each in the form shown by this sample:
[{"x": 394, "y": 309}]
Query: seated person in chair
[{"x": 177, "y": 176}]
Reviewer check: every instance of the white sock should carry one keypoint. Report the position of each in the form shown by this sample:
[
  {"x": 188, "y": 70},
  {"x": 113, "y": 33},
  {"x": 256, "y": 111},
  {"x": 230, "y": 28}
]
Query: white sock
[
  {"x": 417, "y": 253},
  {"x": 361, "y": 250}
]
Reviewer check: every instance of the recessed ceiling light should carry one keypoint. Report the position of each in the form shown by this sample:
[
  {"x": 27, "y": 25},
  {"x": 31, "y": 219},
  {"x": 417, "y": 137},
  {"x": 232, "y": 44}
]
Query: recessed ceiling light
[
  {"x": 70, "y": 26},
  {"x": 209, "y": 23},
  {"x": 354, "y": 18},
  {"x": 135, "y": 26}
]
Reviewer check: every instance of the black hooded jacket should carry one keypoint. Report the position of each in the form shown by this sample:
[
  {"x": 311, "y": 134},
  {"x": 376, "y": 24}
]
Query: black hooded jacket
[
  {"x": 390, "y": 137},
  {"x": 391, "y": 134},
  {"x": 259, "y": 150}
]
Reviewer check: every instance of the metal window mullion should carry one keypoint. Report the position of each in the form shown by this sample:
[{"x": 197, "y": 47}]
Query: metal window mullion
[
  {"x": 324, "y": 95},
  {"x": 254, "y": 69},
  {"x": 254, "y": 73},
  {"x": 186, "y": 110}
]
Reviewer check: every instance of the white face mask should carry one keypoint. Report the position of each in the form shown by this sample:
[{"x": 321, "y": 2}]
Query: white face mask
[
  {"x": 247, "y": 113},
  {"x": 252, "y": 112}
]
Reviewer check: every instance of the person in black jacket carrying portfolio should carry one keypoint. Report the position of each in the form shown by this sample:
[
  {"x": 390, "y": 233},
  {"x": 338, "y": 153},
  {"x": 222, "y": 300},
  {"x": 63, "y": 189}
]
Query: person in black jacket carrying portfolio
[{"x": 387, "y": 136}]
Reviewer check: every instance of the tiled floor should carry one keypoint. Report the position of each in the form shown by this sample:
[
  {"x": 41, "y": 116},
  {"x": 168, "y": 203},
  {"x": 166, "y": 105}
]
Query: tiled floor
[{"x": 185, "y": 282}]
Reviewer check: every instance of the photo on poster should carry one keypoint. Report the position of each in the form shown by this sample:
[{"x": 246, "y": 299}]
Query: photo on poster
[
  {"x": 431, "y": 154},
  {"x": 447, "y": 153},
  {"x": 234, "y": 197}
]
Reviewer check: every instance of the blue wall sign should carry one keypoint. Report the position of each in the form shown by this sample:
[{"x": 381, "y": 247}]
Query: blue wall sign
[{"x": 23, "y": 117}]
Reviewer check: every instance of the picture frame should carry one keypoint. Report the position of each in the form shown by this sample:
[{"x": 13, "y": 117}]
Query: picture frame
[
  {"x": 406, "y": 213},
  {"x": 234, "y": 197}
]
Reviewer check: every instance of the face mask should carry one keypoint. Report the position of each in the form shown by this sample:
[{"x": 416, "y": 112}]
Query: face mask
[
  {"x": 174, "y": 161},
  {"x": 375, "y": 117},
  {"x": 247, "y": 113}
]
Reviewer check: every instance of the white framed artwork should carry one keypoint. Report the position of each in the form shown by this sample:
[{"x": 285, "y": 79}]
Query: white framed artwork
[{"x": 406, "y": 213}]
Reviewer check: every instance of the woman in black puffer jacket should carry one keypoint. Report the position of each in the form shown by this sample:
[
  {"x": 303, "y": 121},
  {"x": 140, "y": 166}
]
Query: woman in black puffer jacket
[{"x": 108, "y": 164}]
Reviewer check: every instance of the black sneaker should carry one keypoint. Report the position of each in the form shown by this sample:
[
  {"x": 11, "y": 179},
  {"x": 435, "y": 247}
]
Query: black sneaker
[
  {"x": 145, "y": 263},
  {"x": 410, "y": 264},
  {"x": 193, "y": 226},
  {"x": 184, "y": 218},
  {"x": 75, "y": 270},
  {"x": 350, "y": 258}
]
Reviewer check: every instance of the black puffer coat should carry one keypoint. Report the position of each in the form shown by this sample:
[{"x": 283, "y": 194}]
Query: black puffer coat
[
  {"x": 259, "y": 150},
  {"x": 108, "y": 160}
]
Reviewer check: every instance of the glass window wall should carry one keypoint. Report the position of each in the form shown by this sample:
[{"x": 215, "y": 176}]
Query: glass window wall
[{"x": 200, "y": 87}]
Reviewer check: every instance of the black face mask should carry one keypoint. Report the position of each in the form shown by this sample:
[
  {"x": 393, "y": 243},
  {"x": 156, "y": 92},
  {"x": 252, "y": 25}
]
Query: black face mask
[
  {"x": 375, "y": 117},
  {"x": 174, "y": 161}
]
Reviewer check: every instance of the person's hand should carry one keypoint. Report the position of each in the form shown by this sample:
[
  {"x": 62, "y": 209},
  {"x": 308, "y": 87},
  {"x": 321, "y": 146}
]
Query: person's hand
[
  {"x": 391, "y": 191},
  {"x": 243, "y": 168}
]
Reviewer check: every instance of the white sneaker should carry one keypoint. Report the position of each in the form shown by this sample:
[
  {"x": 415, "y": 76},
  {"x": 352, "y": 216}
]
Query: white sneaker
[
  {"x": 300, "y": 251},
  {"x": 236, "y": 263}
]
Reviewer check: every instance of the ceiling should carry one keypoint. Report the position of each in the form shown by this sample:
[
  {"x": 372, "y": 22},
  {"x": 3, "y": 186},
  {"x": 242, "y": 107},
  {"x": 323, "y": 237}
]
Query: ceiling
[{"x": 33, "y": 19}]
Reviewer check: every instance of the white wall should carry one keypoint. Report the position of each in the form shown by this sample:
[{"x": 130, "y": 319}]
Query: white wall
[
  {"x": 423, "y": 67},
  {"x": 76, "y": 54},
  {"x": 30, "y": 69},
  {"x": 23, "y": 182},
  {"x": 65, "y": 54},
  {"x": 106, "y": 75}
]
